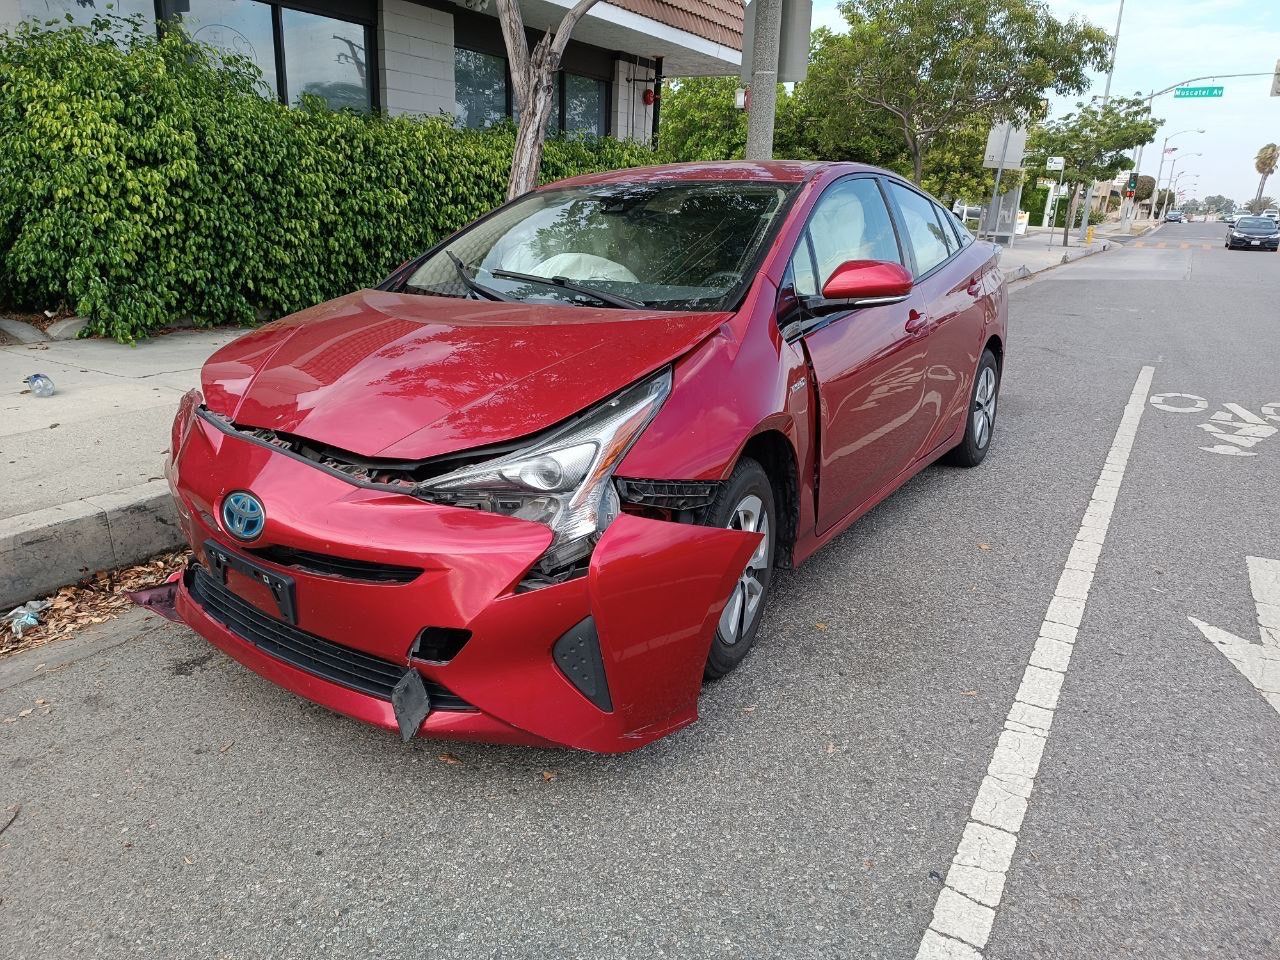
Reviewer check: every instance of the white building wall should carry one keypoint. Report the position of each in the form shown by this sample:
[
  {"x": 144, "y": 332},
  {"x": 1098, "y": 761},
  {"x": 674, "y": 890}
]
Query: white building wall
[
  {"x": 10, "y": 13},
  {"x": 632, "y": 119},
  {"x": 415, "y": 46}
]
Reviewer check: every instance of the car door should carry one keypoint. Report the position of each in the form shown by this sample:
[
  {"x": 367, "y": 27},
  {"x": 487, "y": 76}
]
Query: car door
[
  {"x": 868, "y": 363},
  {"x": 950, "y": 278}
]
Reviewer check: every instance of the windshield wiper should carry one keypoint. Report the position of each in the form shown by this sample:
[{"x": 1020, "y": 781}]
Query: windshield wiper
[
  {"x": 471, "y": 284},
  {"x": 563, "y": 283}
]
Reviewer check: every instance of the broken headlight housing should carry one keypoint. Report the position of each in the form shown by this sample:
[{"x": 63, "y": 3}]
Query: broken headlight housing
[{"x": 562, "y": 480}]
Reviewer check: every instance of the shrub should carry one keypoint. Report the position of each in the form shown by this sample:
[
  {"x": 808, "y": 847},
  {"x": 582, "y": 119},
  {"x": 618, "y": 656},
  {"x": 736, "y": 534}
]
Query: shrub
[{"x": 143, "y": 179}]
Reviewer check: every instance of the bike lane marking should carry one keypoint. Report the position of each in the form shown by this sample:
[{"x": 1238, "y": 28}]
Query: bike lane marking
[{"x": 966, "y": 906}]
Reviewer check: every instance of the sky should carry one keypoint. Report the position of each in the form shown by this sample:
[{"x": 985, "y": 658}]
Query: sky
[{"x": 1163, "y": 42}]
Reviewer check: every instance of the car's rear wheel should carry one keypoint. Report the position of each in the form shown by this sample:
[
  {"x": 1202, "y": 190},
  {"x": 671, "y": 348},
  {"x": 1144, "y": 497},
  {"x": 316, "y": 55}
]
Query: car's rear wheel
[
  {"x": 981, "y": 424},
  {"x": 745, "y": 502}
]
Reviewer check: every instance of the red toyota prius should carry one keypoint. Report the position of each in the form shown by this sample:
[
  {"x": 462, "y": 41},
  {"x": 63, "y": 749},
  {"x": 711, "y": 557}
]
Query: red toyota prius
[{"x": 533, "y": 488}]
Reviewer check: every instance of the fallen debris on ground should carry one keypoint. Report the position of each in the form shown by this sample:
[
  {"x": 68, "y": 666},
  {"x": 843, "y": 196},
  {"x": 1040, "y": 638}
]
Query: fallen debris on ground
[{"x": 95, "y": 599}]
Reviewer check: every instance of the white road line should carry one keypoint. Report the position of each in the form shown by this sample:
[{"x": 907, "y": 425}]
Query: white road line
[{"x": 966, "y": 907}]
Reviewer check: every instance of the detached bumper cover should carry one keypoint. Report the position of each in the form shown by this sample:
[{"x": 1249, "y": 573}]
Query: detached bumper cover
[{"x": 652, "y": 596}]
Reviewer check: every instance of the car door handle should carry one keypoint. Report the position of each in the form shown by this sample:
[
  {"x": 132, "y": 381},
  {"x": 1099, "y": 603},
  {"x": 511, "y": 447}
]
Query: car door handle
[
  {"x": 916, "y": 321},
  {"x": 975, "y": 287}
]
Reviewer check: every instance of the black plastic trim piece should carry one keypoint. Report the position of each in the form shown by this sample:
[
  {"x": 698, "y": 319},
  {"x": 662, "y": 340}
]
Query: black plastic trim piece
[
  {"x": 577, "y": 654},
  {"x": 326, "y": 565},
  {"x": 668, "y": 494},
  {"x": 330, "y": 661}
]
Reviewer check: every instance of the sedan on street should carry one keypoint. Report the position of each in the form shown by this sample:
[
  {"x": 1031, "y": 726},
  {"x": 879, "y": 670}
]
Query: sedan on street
[
  {"x": 533, "y": 488},
  {"x": 1254, "y": 233}
]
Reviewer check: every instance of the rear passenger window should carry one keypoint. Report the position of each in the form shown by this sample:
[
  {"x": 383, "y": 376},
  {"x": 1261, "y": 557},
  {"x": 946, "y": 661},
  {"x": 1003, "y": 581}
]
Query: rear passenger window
[
  {"x": 931, "y": 243},
  {"x": 962, "y": 231}
]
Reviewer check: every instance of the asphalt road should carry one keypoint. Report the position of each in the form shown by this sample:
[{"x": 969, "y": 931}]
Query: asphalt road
[{"x": 175, "y": 805}]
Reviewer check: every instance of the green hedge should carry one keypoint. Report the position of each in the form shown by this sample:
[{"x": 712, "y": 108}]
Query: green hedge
[{"x": 143, "y": 180}]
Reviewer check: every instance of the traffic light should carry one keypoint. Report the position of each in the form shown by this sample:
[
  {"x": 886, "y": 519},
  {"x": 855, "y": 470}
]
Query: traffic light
[{"x": 1132, "y": 186}]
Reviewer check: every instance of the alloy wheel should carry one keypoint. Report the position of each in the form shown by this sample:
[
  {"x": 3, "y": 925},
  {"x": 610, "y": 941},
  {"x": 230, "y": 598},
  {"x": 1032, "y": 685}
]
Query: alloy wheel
[
  {"x": 984, "y": 407},
  {"x": 744, "y": 603}
]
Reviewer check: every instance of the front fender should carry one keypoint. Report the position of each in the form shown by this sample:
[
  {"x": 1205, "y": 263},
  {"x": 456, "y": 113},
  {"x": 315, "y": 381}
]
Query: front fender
[{"x": 654, "y": 592}]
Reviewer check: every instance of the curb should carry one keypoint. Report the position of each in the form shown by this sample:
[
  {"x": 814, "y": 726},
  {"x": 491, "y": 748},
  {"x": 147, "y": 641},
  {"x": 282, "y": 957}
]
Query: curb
[
  {"x": 1022, "y": 273},
  {"x": 22, "y": 331},
  {"x": 50, "y": 548}
]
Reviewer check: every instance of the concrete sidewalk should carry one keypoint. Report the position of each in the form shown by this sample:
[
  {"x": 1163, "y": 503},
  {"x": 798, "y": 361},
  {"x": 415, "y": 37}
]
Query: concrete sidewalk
[{"x": 82, "y": 471}]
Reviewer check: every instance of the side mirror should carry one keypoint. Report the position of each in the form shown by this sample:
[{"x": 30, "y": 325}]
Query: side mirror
[
  {"x": 862, "y": 283},
  {"x": 878, "y": 281}
]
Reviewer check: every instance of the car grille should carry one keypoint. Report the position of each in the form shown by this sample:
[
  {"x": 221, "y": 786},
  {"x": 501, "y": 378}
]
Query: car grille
[
  {"x": 330, "y": 566},
  {"x": 317, "y": 656}
]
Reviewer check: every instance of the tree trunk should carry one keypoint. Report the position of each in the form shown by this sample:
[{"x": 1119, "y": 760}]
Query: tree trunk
[
  {"x": 533, "y": 85},
  {"x": 915, "y": 147},
  {"x": 1262, "y": 185},
  {"x": 1072, "y": 208},
  {"x": 531, "y": 134}
]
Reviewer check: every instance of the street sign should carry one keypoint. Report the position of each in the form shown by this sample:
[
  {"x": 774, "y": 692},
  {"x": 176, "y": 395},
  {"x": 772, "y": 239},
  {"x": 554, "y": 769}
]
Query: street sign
[
  {"x": 793, "y": 41},
  {"x": 1056, "y": 163},
  {"x": 1195, "y": 93},
  {"x": 997, "y": 154}
]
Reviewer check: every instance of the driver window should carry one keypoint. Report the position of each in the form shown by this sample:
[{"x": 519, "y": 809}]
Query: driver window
[{"x": 851, "y": 222}]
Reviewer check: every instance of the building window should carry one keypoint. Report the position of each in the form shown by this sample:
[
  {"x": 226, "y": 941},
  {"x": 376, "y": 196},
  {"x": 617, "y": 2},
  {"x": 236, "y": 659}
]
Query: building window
[
  {"x": 481, "y": 84},
  {"x": 83, "y": 11},
  {"x": 326, "y": 58},
  {"x": 586, "y": 104},
  {"x": 323, "y": 56},
  {"x": 580, "y": 104},
  {"x": 238, "y": 27}
]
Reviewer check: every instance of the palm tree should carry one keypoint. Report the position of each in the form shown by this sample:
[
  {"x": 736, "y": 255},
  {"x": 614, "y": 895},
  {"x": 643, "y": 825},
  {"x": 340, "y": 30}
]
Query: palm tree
[{"x": 1265, "y": 163}]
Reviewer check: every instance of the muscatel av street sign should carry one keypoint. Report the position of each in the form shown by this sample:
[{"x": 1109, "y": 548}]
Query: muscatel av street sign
[
  {"x": 1185, "y": 93},
  {"x": 1055, "y": 163}
]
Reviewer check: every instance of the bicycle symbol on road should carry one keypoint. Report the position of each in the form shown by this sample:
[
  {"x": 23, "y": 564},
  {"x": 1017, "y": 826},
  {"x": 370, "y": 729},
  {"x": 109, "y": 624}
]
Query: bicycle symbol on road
[{"x": 1235, "y": 428}]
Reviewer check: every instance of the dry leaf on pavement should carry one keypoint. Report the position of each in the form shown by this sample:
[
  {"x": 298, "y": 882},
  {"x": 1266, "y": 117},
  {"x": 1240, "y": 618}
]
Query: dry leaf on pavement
[{"x": 95, "y": 599}]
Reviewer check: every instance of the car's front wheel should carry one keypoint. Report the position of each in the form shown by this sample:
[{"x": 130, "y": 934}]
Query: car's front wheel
[{"x": 745, "y": 502}]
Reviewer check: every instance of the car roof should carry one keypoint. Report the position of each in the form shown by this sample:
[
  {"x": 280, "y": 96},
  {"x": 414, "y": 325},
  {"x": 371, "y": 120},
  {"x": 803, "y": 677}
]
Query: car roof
[{"x": 755, "y": 171}]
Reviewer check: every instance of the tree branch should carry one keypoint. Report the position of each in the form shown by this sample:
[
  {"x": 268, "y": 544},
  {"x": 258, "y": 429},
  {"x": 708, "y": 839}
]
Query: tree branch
[
  {"x": 565, "y": 30},
  {"x": 512, "y": 22}
]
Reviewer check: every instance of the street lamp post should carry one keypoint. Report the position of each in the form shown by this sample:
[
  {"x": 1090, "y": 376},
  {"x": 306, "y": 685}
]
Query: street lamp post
[
  {"x": 1173, "y": 189},
  {"x": 1174, "y": 166},
  {"x": 1106, "y": 98},
  {"x": 1160, "y": 172}
]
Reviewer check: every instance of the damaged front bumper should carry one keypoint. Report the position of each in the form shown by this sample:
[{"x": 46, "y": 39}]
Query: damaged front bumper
[{"x": 449, "y": 646}]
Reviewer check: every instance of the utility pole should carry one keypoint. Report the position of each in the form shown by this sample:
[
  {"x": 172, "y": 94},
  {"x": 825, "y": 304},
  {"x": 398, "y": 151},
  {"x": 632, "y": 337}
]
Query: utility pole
[
  {"x": 1106, "y": 98},
  {"x": 763, "y": 106},
  {"x": 1160, "y": 93}
]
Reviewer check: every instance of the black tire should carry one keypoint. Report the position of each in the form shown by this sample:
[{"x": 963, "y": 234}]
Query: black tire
[
  {"x": 972, "y": 450},
  {"x": 747, "y": 484}
]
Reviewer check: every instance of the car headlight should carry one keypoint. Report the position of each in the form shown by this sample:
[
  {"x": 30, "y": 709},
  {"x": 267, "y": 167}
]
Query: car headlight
[
  {"x": 1237, "y": 234},
  {"x": 563, "y": 479}
]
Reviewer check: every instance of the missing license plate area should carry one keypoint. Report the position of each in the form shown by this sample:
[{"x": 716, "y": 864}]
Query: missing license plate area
[{"x": 281, "y": 586}]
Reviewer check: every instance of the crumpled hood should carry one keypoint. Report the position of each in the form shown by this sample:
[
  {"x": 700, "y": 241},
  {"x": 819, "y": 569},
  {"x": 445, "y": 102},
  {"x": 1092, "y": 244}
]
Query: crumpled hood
[{"x": 410, "y": 377}]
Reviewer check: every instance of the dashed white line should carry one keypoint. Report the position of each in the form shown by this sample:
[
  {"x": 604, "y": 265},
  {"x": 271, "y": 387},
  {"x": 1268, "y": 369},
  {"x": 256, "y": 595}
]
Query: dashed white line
[{"x": 966, "y": 906}]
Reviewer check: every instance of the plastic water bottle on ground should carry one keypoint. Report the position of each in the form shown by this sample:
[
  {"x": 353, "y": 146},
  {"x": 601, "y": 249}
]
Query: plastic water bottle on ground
[{"x": 40, "y": 385}]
